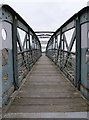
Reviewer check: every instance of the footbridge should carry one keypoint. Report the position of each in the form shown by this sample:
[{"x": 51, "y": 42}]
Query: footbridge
[{"x": 53, "y": 84}]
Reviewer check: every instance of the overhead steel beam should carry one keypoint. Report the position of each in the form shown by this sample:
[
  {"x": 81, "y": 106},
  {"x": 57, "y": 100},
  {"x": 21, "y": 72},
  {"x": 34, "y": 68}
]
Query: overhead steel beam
[{"x": 44, "y": 32}]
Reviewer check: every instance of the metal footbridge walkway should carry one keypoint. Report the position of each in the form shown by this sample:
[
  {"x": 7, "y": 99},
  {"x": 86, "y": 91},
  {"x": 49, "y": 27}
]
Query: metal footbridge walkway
[{"x": 54, "y": 84}]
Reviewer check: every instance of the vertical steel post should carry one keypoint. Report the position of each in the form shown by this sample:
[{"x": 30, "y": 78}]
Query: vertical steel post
[
  {"x": 27, "y": 52},
  {"x": 14, "y": 49},
  {"x": 63, "y": 48},
  {"x": 60, "y": 47},
  {"x": 30, "y": 52},
  {"x": 55, "y": 49},
  {"x": 0, "y": 63},
  {"x": 34, "y": 51},
  {"x": 78, "y": 54}
]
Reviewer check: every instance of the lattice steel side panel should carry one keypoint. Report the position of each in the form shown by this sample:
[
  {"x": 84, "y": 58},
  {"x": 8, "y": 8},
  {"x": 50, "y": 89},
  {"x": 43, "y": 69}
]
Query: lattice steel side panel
[{"x": 7, "y": 64}]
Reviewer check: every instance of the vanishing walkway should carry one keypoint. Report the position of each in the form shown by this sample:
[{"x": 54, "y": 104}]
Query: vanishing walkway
[{"x": 46, "y": 90}]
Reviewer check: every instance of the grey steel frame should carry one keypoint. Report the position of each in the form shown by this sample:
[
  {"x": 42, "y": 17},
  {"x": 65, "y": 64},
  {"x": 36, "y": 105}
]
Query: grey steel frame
[
  {"x": 75, "y": 65},
  {"x": 16, "y": 60}
]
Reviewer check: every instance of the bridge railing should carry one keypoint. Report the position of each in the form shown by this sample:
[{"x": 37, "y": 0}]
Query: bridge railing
[
  {"x": 69, "y": 49},
  {"x": 20, "y": 48}
]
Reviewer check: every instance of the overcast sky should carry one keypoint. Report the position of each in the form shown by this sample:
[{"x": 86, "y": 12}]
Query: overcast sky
[{"x": 46, "y": 14}]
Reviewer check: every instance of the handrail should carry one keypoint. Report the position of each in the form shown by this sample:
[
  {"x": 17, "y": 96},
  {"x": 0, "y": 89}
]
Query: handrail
[
  {"x": 17, "y": 55},
  {"x": 63, "y": 55},
  {"x": 14, "y": 13}
]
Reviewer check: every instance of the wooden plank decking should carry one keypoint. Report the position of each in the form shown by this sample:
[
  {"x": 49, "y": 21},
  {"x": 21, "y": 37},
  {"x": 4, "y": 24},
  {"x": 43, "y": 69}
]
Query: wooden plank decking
[{"x": 47, "y": 90}]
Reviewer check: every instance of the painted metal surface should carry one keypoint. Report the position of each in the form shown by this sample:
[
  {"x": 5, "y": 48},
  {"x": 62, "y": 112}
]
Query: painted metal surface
[
  {"x": 44, "y": 37},
  {"x": 17, "y": 56},
  {"x": 72, "y": 55},
  {"x": 0, "y": 65}
]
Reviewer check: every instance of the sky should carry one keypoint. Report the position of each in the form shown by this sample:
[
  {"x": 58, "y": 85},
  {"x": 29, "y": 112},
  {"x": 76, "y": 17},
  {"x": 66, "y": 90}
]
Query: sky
[{"x": 46, "y": 15}]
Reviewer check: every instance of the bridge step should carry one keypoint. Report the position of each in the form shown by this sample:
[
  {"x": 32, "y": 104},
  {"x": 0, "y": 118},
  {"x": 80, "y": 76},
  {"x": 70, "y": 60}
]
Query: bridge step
[{"x": 57, "y": 116}]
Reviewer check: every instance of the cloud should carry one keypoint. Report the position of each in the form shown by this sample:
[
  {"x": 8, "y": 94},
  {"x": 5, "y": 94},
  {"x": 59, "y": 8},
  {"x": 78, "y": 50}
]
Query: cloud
[{"x": 46, "y": 14}]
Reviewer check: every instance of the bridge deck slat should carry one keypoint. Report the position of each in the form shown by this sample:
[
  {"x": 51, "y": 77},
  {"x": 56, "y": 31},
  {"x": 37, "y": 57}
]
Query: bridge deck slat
[{"x": 47, "y": 90}]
